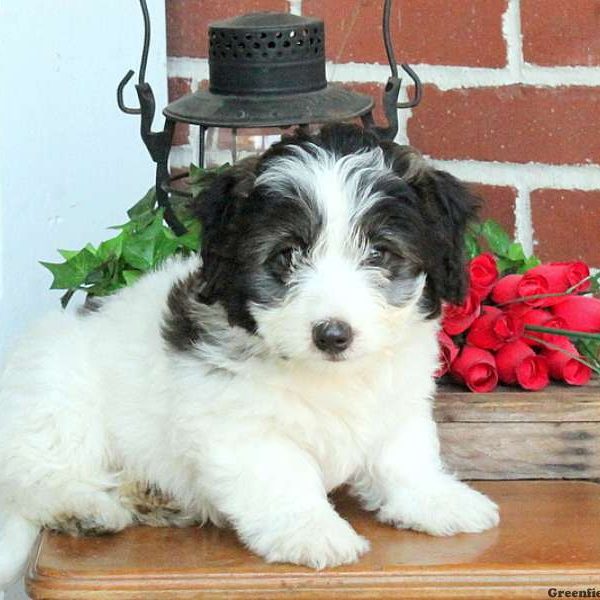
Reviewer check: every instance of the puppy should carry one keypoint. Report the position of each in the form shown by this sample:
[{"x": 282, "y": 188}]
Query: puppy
[{"x": 295, "y": 356}]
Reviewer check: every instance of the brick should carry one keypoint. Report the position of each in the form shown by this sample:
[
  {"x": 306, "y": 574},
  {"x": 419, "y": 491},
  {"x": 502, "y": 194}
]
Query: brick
[
  {"x": 498, "y": 204},
  {"x": 556, "y": 32},
  {"x": 177, "y": 87},
  {"x": 465, "y": 32},
  {"x": 511, "y": 123},
  {"x": 566, "y": 224},
  {"x": 187, "y": 21}
]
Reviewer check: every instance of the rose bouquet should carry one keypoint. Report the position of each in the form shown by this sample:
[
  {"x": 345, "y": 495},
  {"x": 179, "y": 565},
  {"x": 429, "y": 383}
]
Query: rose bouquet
[{"x": 522, "y": 322}]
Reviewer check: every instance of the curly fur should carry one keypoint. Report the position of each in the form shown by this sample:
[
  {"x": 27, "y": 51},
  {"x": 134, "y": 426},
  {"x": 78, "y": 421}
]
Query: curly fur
[{"x": 203, "y": 393}]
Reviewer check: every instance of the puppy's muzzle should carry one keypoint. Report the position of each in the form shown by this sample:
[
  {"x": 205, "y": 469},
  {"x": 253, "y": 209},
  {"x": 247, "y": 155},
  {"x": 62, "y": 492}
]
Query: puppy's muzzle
[{"x": 332, "y": 336}]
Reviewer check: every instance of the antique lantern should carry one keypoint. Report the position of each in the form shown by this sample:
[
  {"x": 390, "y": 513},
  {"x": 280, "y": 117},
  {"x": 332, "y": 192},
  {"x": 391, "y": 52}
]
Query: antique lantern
[{"x": 266, "y": 70}]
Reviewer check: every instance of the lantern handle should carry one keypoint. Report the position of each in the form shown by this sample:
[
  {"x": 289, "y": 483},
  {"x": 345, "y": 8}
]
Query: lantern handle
[
  {"x": 158, "y": 143},
  {"x": 389, "y": 50},
  {"x": 143, "y": 64},
  {"x": 392, "y": 87}
]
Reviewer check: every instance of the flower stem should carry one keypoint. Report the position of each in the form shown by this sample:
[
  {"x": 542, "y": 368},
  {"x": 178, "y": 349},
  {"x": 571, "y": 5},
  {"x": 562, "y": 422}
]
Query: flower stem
[
  {"x": 576, "y": 357},
  {"x": 539, "y": 297},
  {"x": 582, "y": 335},
  {"x": 568, "y": 292}
]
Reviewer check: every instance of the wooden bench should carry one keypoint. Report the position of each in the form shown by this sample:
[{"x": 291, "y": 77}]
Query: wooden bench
[{"x": 549, "y": 536}]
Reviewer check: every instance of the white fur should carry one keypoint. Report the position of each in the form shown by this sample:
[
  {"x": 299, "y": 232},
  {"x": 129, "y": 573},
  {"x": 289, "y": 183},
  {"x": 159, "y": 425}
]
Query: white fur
[{"x": 90, "y": 402}]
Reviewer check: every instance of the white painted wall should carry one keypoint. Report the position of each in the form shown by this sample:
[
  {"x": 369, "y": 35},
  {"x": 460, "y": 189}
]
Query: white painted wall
[{"x": 70, "y": 162}]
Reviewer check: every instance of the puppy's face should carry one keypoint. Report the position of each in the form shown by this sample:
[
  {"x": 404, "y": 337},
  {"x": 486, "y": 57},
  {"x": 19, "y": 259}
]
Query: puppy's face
[{"x": 328, "y": 248}]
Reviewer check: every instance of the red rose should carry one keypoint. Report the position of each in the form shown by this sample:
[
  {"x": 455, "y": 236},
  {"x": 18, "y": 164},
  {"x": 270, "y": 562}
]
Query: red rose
[
  {"x": 567, "y": 368},
  {"x": 483, "y": 274},
  {"x": 553, "y": 278},
  {"x": 540, "y": 281},
  {"x": 448, "y": 352},
  {"x": 456, "y": 318},
  {"x": 543, "y": 318},
  {"x": 494, "y": 328},
  {"x": 475, "y": 368},
  {"x": 575, "y": 271},
  {"x": 579, "y": 313},
  {"x": 505, "y": 289},
  {"x": 518, "y": 363}
]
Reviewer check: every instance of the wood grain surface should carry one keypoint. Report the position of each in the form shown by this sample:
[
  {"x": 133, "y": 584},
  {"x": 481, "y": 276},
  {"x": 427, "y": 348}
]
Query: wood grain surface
[
  {"x": 549, "y": 537},
  {"x": 555, "y": 403},
  {"x": 514, "y": 434}
]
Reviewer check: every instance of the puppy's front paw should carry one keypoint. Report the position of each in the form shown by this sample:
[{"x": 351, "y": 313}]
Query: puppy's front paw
[
  {"x": 445, "y": 509},
  {"x": 325, "y": 541}
]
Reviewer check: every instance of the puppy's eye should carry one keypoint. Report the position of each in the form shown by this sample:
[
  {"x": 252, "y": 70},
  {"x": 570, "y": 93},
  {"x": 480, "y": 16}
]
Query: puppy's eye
[
  {"x": 281, "y": 262},
  {"x": 380, "y": 255},
  {"x": 284, "y": 257}
]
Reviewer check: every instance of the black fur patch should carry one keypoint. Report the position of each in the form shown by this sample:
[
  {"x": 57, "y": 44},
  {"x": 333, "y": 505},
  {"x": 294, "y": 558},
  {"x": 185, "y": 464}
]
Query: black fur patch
[
  {"x": 244, "y": 225},
  {"x": 180, "y": 328}
]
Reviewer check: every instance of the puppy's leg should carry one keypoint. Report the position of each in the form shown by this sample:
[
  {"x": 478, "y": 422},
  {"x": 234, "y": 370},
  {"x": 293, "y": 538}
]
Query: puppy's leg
[
  {"x": 90, "y": 512},
  {"x": 406, "y": 482},
  {"x": 272, "y": 492}
]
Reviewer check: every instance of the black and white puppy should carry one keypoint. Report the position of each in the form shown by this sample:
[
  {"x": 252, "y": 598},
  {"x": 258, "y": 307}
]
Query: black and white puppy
[{"x": 296, "y": 356}]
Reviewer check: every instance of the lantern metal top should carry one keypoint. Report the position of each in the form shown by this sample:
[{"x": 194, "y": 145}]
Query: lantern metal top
[{"x": 268, "y": 69}]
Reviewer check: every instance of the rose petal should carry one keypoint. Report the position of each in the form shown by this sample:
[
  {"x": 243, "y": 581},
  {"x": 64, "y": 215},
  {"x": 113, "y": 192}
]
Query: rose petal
[
  {"x": 458, "y": 317},
  {"x": 475, "y": 368},
  {"x": 505, "y": 289},
  {"x": 494, "y": 328},
  {"x": 448, "y": 352},
  {"x": 509, "y": 357},
  {"x": 579, "y": 313},
  {"x": 532, "y": 373},
  {"x": 574, "y": 272},
  {"x": 563, "y": 367},
  {"x": 543, "y": 318},
  {"x": 483, "y": 274}
]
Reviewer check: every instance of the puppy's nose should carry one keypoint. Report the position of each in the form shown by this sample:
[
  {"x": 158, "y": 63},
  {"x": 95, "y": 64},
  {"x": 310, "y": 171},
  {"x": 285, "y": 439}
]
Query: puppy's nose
[{"x": 332, "y": 336}]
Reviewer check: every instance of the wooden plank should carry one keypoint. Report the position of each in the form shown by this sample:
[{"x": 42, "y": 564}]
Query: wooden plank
[
  {"x": 555, "y": 403},
  {"x": 539, "y": 544},
  {"x": 522, "y": 450}
]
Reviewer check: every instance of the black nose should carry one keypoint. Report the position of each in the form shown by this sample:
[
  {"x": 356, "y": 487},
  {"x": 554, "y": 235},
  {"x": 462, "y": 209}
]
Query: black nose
[{"x": 332, "y": 336}]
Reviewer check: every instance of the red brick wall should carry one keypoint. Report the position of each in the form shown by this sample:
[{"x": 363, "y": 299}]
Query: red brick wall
[{"x": 511, "y": 103}]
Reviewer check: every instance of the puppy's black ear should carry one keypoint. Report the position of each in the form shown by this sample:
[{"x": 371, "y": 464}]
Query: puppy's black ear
[
  {"x": 218, "y": 209},
  {"x": 447, "y": 206}
]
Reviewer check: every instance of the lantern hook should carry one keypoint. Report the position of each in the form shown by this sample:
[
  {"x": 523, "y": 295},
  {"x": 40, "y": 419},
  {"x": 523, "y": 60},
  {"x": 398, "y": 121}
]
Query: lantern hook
[
  {"x": 143, "y": 64},
  {"x": 392, "y": 88},
  {"x": 158, "y": 143}
]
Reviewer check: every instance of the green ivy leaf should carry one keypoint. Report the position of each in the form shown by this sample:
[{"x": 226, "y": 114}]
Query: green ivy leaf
[
  {"x": 131, "y": 276},
  {"x": 472, "y": 247},
  {"x": 505, "y": 265},
  {"x": 143, "y": 207},
  {"x": 138, "y": 251},
  {"x": 165, "y": 248},
  {"x": 191, "y": 239},
  {"x": 141, "y": 244},
  {"x": 67, "y": 254},
  {"x": 199, "y": 178},
  {"x": 111, "y": 249},
  {"x": 74, "y": 272},
  {"x": 497, "y": 239},
  {"x": 530, "y": 262},
  {"x": 515, "y": 252}
]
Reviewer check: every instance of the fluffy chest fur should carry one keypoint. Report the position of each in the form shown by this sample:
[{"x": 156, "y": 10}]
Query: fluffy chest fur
[{"x": 336, "y": 412}]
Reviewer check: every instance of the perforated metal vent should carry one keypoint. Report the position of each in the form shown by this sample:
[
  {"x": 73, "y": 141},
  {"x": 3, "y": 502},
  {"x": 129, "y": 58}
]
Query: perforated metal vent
[
  {"x": 267, "y": 45},
  {"x": 241, "y": 49},
  {"x": 267, "y": 69}
]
